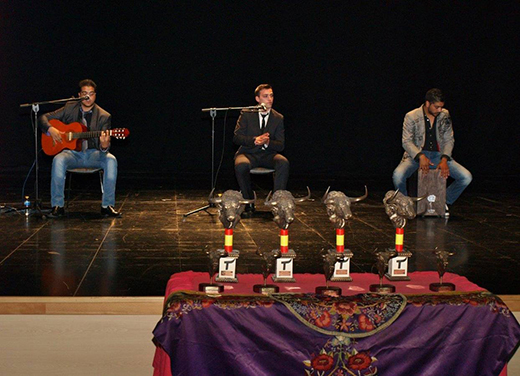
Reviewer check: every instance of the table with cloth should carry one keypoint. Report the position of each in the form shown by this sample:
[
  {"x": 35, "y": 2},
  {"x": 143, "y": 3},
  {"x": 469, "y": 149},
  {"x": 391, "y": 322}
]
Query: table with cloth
[{"x": 296, "y": 332}]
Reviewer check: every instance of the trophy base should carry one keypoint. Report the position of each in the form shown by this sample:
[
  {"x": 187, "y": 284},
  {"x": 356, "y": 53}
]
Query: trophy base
[
  {"x": 283, "y": 280},
  {"x": 328, "y": 291},
  {"x": 266, "y": 289},
  {"x": 397, "y": 278},
  {"x": 382, "y": 289},
  {"x": 211, "y": 288},
  {"x": 341, "y": 279},
  {"x": 226, "y": 279},
  {"x": 442, "y": 287}
]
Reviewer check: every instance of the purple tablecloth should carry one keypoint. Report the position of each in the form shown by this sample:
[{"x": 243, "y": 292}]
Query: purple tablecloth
[{"x": 462, "y": 333}]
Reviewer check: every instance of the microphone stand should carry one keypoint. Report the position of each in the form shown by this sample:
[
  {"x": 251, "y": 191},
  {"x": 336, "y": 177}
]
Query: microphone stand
[
  {"x": 35, "y": 107},
  {"x": 213, "y": 113}
]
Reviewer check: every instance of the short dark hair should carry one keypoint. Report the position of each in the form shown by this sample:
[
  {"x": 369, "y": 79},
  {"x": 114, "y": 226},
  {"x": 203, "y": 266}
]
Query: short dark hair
[
  {"x": 87, "y": 82},
  {"x": 435, "y": 95},
  {"x": 261, "y": 87}
]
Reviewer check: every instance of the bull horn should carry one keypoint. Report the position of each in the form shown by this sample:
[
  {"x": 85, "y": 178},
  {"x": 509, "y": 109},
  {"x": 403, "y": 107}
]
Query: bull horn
[
  {"x": 248, "y": 201},
  {"x": 304, "y": 198},
  {"x": 391, "y": 199},
  {"x": 325, "y": 195},
  {"x": 361, "y": 197},
  {"x": 268, "y": 201},
  {"x": 419, "y": 198},
  {"x": 212, "y": 199}
]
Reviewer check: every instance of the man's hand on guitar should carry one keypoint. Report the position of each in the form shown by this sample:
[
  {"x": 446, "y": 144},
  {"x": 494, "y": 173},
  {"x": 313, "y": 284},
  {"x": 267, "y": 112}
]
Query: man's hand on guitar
[
  {"x": 104, "y": 139},
  {"x": 56, "y": 135}
]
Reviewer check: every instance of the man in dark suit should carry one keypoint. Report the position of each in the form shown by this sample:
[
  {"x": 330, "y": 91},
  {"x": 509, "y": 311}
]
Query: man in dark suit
[
  {"x": 261, "y": 136},
  {"x": 94, "y": 153}
]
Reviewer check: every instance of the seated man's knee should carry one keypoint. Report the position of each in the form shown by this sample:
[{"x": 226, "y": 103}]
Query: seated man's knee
[
  {"x": 281, "y": 162},
  {"x": 111, "y": 161},
  {"x": 242, "y": 168},
  {"x": 467, "y": 178}
]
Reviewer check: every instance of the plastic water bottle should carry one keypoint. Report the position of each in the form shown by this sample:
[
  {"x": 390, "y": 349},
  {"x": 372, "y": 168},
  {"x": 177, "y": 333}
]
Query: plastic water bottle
[{"x": 27, "y": 205}]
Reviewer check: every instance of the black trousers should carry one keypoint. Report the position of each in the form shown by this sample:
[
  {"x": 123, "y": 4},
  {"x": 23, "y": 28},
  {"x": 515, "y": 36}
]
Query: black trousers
[{"x": 245, "y": 162}]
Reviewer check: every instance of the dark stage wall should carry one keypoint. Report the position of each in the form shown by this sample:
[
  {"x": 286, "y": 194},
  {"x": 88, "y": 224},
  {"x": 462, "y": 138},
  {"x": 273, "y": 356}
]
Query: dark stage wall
[{"x": 344, "y": 75}]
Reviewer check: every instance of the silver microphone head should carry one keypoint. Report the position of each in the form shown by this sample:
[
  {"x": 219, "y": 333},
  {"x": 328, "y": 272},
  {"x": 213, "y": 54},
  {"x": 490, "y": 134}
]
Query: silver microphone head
[{"x": 263, "y": 106}]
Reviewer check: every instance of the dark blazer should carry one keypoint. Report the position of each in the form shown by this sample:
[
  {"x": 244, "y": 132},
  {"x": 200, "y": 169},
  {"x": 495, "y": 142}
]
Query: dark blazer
[
  {"x": 248, "y": 127},
  {"x": 70, "y": 113}
]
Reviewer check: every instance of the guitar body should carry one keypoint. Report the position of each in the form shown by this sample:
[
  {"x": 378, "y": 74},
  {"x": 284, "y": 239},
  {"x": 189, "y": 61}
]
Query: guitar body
[
  {"x": 75, "y": 132},
  {"x": 67, "y": 142}
]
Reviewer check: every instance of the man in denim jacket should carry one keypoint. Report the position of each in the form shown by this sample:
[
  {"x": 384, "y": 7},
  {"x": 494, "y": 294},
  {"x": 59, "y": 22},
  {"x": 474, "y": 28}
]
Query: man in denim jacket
[{"x": 428, "y": 143}]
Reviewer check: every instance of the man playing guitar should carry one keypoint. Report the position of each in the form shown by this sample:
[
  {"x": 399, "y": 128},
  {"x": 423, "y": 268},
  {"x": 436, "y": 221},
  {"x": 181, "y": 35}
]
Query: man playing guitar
[{"x": 93, "y": 154}]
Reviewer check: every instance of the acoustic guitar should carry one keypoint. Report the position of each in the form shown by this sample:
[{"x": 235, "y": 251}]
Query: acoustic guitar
[{"x": 73, "y": 133}]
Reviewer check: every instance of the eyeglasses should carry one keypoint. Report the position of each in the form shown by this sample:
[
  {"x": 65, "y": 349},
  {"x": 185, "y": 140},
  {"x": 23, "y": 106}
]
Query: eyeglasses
[{"x": 90, "y": 94}]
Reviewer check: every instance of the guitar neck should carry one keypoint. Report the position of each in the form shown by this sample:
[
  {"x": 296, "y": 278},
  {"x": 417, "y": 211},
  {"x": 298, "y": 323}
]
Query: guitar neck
[{"x": 90, "y": 134}]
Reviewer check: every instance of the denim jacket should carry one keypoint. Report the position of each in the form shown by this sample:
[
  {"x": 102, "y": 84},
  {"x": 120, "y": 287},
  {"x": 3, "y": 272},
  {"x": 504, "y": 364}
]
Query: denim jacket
[{"x": 414, "y": 133}]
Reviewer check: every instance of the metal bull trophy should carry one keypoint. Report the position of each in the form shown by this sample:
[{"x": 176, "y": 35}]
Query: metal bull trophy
[
  {"x": 337, "y": 261},
  {"x": 399, "y": 208},
  {"x": 230, "y": 205},
  {"x": 282, "y": 204}
]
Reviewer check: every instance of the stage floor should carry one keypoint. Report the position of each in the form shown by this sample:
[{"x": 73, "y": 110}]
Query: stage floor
[{"x": 84, "y": 254}]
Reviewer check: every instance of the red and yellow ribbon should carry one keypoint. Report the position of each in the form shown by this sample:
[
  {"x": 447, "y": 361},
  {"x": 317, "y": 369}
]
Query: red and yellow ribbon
[
  {"x": 228, "y": 240},
  {"x": 340, "y": 240},
  {"x": 284, "y": 241},
  {"x": 399, "y": 239}
]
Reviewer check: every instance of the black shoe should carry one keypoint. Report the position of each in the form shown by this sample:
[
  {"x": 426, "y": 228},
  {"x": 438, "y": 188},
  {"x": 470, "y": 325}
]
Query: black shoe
[
  {"x": 248, "y": 211},
  {"x": 56, "y": 212},
  {"x": 109, "y": 211}
]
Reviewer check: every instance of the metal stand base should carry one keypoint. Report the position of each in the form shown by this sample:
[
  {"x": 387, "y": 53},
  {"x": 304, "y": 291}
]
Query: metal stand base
[
  {"x": 442, "y": 287},
  {"x": 211, "y": 288},
  {"x": 266, "y": 289},
  {"x": 382, "y": 289},
  {"x": 328, "y": 291}
]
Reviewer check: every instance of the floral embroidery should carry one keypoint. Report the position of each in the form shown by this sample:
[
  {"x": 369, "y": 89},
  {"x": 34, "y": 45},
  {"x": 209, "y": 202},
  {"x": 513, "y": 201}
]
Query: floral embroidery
[
  {"x": 354, "y": 316},
  {"x": 181, "y": 303},
  {"x": 339, "y": 357},
  {"x": 475, "y": 298}
]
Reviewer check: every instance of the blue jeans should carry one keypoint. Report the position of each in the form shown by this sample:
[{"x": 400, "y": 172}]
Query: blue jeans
[
  {"x": 458, "y": 172},
  {"x": 90, "y": 158}
]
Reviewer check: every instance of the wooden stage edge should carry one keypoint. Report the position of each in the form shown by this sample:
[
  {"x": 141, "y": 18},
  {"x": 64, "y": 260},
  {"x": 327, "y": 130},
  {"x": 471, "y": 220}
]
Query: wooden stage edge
[{"x": 151, "y": 305}]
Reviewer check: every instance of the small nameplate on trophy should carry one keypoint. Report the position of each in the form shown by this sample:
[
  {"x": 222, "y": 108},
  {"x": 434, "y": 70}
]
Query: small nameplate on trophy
[
  {"x": 398, "y": 266},
  {"x": 227, "y": 267},
  {"x": 284, "y": 268},
  {"x": 342, "y": 269}
]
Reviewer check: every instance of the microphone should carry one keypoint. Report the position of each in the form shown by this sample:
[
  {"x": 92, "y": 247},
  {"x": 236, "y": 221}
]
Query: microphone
[
  {"x": 262, "y": 106},
  {"x": 85, "y": 98}
]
